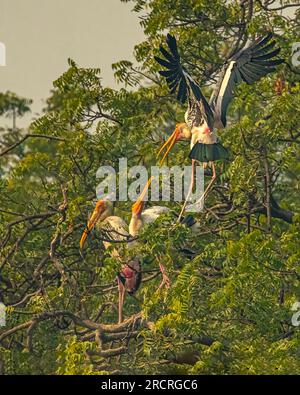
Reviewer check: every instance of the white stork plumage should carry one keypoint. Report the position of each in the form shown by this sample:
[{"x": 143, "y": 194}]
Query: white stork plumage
[
  {"x": 201, "y": 118},
  {"x": 130, "y": 276}
]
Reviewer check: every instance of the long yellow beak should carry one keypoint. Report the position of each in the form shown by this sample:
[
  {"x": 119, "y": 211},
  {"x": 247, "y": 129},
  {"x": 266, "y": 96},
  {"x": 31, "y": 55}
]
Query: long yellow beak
[
  {"x": 170, "y": 144},
  {"x": 138, "y": 205},
  {"x": 92, "y": 222}
]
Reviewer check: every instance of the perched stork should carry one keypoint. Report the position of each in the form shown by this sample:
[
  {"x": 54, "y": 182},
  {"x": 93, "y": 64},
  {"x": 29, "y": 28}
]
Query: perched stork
[
  {"x": 141, "y": 217},
  {"x": 201, "y": 117},
  {"x": 130, "y": 276}
]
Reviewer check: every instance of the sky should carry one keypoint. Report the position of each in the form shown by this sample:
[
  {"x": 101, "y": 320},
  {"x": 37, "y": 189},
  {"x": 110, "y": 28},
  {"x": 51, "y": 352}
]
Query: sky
[{"x": 40, "y": 35}]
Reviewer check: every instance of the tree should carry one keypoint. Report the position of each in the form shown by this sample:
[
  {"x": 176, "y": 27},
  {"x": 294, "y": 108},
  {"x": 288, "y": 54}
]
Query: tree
[
  {"x": 229, "y": 307},
  {"x": 11, "y": 106}
]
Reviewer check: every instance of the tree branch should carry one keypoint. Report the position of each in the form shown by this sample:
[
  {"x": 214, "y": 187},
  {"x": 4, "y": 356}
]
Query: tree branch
[{"x": 27, "y": 136}]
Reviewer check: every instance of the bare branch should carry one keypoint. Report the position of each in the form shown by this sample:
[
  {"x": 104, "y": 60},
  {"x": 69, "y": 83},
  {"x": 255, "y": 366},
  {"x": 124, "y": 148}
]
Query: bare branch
[{"x": 27, "y": 136}]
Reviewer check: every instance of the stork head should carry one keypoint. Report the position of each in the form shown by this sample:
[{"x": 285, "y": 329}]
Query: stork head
[
  {"x": 138, "y": 206},
  {"x": 102, "y": 210},
  {"x": 181, "y": 132},
  {"x": 136, "y": 221}
]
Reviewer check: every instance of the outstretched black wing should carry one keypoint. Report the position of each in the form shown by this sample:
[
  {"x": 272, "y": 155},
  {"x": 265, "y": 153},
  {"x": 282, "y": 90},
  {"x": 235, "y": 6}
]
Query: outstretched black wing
[
  {"x": 248, "y": 65},
  {"x": 179, "y": 80}
]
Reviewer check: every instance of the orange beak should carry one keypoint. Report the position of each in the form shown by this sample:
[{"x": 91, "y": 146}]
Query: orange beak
[
  {"x": 138, "y": 205},
  {"x": 169, "y": 143},
  {"x": 100, "y": 206}
]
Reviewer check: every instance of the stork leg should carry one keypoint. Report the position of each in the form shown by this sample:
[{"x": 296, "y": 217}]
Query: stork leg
[
  {"x": 213, "y": 179},
  {"x": 121, "y": 289},
  {"x": 165, "y": 281},
  {"x": 189, "y": 192}
]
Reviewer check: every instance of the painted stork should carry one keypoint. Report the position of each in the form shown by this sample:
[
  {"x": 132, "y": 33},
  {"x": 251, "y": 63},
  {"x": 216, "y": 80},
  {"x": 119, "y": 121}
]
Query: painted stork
[
  {"x": 130, "y": 276},
  {"x": 201, "y": 118},
  {"x": 141, "y": 217}
]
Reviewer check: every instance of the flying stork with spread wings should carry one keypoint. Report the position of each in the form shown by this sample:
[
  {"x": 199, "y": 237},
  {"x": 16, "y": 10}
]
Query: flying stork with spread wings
[{"x": 203, "y": 117}]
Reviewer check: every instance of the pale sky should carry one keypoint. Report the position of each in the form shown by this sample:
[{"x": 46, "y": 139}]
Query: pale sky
[{"x": 40, "y": 35}]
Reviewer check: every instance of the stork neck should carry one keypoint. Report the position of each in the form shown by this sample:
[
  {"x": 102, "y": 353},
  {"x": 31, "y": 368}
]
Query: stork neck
[
  {"x": 135, "y": 224},
  {"x": 109, "y": 210}
]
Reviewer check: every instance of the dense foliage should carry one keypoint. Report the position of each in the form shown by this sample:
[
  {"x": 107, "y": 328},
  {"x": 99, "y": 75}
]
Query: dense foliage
[{"x": 228, "y": 310}]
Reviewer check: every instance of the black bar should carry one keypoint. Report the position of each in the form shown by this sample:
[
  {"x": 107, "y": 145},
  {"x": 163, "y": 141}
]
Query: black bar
[{"x": 133, "y": 384}]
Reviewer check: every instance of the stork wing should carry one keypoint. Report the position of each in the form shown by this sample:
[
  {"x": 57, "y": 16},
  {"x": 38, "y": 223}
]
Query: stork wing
[
  {"x": 116, "y": 228},
  {"x": 249, "y": 65},
  {"x": 178, "y": 78},
  {"x": 152, "y": 213}
]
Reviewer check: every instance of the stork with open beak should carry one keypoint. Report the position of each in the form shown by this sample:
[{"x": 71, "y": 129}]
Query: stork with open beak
[
  {"x": 181, "y": 133},
  {"x": 201, "y": 118}
]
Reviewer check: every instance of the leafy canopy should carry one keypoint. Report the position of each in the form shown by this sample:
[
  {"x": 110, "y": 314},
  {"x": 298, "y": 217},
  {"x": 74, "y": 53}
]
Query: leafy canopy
[{"x": 228, "y": 310}]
